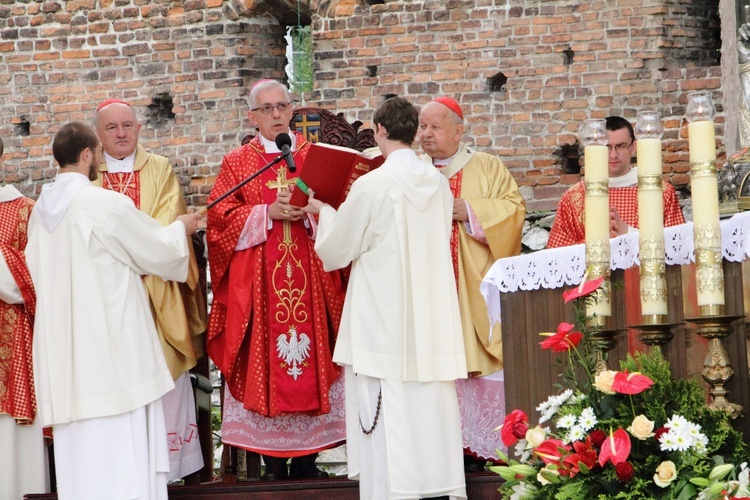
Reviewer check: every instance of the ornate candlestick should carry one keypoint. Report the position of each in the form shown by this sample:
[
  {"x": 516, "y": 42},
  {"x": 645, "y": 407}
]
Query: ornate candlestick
[{"x": 713, "y": 325}]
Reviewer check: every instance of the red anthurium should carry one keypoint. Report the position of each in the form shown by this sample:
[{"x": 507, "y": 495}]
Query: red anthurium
[
  {"x": 615, "y": 448},
  {"x": 514, "y": 427},
  {"x": 584, "y": 454},
  {"x": 551, "y": 451},
  {"x": 585, "y": 288},
  {"x": 631, "y": 383},
  {"x": 563, "y": 340}
]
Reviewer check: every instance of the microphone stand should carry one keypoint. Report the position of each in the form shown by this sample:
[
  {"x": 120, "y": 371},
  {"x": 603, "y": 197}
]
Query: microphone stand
[{"x": 252, "y": 176}]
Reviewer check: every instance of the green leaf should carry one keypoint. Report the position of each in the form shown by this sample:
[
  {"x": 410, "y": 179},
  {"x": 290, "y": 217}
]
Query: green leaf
[{"x": 687, "y": 493}]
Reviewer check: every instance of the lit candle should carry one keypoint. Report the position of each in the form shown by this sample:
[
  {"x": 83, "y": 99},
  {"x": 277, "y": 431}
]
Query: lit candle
[
  {"x": 596, "y": 213},
  {"x": 705, "y": 195},
  {"x": 653, "y": 281}
]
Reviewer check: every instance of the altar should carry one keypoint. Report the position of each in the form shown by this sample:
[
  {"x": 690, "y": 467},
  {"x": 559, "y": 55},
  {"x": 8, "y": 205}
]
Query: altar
[{"x": 525, "y": 294}]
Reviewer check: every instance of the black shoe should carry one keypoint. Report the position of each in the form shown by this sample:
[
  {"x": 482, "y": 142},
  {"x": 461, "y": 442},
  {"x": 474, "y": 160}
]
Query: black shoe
[
  {"x": 473, "y": 464},
  {"x": 304, "y": 468},
  {"x": 275, "y": 469}
]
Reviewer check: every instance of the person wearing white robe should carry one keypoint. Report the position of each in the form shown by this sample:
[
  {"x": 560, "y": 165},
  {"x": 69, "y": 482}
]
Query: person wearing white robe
[
  {"x": 98, "y": 365},
  {"x": 400, "y": 338}
]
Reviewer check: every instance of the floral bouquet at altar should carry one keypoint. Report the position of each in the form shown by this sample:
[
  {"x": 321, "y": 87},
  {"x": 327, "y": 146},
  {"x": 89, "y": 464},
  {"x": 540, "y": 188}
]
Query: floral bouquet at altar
[{"x": 632, "y": 433}]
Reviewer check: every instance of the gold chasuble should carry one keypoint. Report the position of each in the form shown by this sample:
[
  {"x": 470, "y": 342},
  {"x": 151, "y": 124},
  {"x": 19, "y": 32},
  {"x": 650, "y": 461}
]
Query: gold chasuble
[
  {"x": 275, "y": 311},
  {"x": 16, "y": 320},
  {"x": 484, "y": 182},
  {"x": 179, "y": 309}
]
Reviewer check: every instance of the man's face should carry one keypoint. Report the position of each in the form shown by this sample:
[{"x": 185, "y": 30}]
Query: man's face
[
  {"x": 118, "y": 130},
  {"x": 96, "y": 159},
  {"x": 276, "y": 121},
  {"x": 439, "y": 136},
  {"x": 621, "y": 148}
]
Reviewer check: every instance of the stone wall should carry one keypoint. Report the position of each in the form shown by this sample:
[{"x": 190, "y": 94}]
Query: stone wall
[{"x": 526, "y": 73}]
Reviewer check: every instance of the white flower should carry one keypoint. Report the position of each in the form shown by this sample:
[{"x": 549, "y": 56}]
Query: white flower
[
  {"x": 564, "y": 396},
  {"x": 576, "y": 433},
  {"x": 520, "y": 448},
  {"x": 665, "y": 474},
  {"x": 587, "y": 419},
  {"x": 566, "y": 422},
  {"x": 522, "y": 490},
  {"x": 535, "y": 437},
  {"x": 677, "y": 423},
  {"x": 641, "y": 428},
  {"x": 667, "y": 441},
  {"x": 543, "y": 480}
]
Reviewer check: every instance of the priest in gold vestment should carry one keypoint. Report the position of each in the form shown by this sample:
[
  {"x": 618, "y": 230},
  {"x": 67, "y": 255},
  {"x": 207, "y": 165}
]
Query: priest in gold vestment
[{"x": 488, "y": 216}]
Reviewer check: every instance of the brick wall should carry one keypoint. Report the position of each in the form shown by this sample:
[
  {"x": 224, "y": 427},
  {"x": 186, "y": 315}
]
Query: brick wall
[{"x": 526, "y": 73}]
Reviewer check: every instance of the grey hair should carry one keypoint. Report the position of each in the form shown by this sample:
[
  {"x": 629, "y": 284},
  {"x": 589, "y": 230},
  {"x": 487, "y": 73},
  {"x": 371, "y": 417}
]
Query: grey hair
[{"x": 266, "y": 85}]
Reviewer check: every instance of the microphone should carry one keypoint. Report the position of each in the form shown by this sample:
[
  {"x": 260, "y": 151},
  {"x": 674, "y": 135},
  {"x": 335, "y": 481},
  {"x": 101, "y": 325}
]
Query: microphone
[{"x": 284, "y": 143}]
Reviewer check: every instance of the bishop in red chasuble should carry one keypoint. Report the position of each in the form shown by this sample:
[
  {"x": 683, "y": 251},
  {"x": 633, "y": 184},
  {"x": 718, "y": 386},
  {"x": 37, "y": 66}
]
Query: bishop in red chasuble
[{"x": 275, "y": 310}]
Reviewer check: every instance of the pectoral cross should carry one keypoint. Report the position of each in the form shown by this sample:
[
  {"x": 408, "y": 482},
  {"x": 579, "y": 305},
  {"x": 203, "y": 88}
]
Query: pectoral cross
[{"x": 279, "y": 184}]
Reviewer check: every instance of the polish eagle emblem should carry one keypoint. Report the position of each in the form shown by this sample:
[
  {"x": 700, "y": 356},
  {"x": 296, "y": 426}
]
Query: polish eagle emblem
[{"x": 293, "y": 351}]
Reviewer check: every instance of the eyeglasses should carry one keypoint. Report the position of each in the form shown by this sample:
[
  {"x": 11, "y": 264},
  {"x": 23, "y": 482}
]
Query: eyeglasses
[
  {"x": 267, "y": 109},
  {"x": 619, "y": 147}
]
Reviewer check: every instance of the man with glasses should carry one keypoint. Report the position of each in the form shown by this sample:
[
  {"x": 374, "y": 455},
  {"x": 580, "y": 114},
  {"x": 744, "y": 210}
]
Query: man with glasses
[
  {"x": 568, "y": 228},
  {"x": 275, "y": 310}
]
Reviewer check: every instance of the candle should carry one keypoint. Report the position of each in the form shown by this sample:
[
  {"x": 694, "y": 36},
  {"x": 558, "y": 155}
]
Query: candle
[
  {"x": 596, "y": 214},
  {"x": 653, "y": 281},
  {"x": 705, "y": 194}
]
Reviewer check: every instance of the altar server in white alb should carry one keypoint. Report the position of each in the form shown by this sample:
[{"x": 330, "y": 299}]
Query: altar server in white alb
[
  {"x": 98, "y": 365},
  {"x": 400, "y": 338}
]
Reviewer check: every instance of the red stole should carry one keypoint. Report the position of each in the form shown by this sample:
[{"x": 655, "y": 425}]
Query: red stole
[
  {"x": 275, "y": 311},
  {"x": 16, "y": 321},
  {"x": 455, "y": 185}
]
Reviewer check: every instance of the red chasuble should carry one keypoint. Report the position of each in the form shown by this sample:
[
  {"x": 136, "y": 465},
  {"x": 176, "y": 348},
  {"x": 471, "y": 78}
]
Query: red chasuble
[
  {"x": 16, "y": 375},
  {"x": 275, "y": 311}
]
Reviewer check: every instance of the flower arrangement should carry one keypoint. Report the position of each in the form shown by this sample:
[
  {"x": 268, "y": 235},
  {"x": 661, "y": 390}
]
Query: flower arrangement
[{"x": 632, "y": 433}]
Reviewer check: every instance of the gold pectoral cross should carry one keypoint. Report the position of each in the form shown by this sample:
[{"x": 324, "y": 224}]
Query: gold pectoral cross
[{"x": 280, "y": 184}]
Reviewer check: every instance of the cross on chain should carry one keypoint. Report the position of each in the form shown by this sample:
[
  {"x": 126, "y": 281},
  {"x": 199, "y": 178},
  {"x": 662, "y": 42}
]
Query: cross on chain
[{"x": 280, "y": 183}]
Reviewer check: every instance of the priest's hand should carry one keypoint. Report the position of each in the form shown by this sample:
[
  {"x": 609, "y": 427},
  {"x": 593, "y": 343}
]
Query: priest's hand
[
  {"x": 190, "y": 221},
  {"x": 282, "y": 210},
  {"x": 460, "y": 212},
  {"x": 616, "y": 225},
  {"x": 313, "y": 204}
]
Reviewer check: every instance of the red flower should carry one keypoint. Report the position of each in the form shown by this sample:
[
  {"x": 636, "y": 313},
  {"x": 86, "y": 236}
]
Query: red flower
[
  {"x": 584, "y": 454},
  {"x": 631, "y": 383},
  {"x": 625, "y": 471},
  {"x": 598, "y": 436},
  {"x": 551, "y": 451},
  {"x": 514, "y": 427},
  {"x": 585, "y": 288},
  {"x": 615, "y": 448},
  {"x": 658, "y": 432},
  {"x": 563, "y": 340}
]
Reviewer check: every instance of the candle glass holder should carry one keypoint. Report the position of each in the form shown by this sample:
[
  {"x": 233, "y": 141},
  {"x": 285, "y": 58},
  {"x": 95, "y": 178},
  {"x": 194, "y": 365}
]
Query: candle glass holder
[
  {"x": 700, "y": 107},
  {"x": 648, "y": 125},
  {"x": 594, "y": 132}
]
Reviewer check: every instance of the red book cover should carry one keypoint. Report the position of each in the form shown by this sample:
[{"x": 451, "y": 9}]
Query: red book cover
[{"x": 330, "y": 171}]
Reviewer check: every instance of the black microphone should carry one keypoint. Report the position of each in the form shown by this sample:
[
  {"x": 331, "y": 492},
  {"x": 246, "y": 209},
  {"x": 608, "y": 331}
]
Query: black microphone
[{"x": 284, "y": 143}]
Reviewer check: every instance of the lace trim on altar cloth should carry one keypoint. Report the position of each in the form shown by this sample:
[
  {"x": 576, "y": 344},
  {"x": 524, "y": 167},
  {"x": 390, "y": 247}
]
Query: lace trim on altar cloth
[{"x": 565, "y": 266}]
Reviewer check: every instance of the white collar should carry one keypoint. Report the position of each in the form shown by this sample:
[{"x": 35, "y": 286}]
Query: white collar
[
  {"x": 115, "y": 166},
  {"x": 627, "y": 180},
  {"x": 9, "y": 193},
  {"x": 57, "y": 196},
  {"x": 270, "y": 146}
]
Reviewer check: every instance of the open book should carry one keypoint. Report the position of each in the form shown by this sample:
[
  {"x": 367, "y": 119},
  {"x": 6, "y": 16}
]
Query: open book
[{"x": 330, "y": 171}]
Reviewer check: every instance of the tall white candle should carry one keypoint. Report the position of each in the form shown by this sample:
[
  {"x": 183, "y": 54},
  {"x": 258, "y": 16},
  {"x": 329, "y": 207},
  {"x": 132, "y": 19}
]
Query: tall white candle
[{"x": 596, "y": 218}]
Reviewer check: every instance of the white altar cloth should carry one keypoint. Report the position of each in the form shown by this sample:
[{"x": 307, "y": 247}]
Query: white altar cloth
[{"x": 565, "y": 266}]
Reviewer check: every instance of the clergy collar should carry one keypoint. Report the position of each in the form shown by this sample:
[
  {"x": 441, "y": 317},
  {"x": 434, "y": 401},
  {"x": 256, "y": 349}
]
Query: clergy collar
[
  {"x": 441, "y": 162},
  {"x": 9, "y": 193},
  {"x": 115, "y": 166},
  {"x": 627, "y": 180},
  {"x": 270, "y": 146}
]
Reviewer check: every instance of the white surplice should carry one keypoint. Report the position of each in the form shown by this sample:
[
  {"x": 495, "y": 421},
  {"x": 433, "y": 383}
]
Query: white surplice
[{"x": 96, "y": 351}]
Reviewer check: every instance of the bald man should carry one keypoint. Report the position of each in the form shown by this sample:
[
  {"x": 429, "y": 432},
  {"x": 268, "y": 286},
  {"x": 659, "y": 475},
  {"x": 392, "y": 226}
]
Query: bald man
[
  {"x": 488, "y": 215},
  {"x": 179, "y": 308}
]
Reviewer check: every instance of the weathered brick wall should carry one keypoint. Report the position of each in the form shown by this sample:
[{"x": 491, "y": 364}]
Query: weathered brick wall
[
  {"x": 564, "y": 61},
  {"x": 58, "y": 59}
]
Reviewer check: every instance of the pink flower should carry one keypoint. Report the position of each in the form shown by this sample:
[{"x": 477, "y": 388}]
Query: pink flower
[
  {"x": 631, "y": 383},
  {"x": 585, "y": 288},
  {"x": 514, "y": 427},
  {"x": 563, "y": 340},
  {"x": 616, "y": 448}
]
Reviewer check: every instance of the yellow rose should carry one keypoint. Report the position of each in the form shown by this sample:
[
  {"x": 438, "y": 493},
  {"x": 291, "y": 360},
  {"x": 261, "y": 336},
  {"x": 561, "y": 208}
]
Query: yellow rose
[
  {"x": 535, "y": 437},
  {"x": 641, "y": 428},
  {"x": 665, "y": 474},
  {"x": 543, "y": 480},
  {"x": 604, "y": 380}
]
